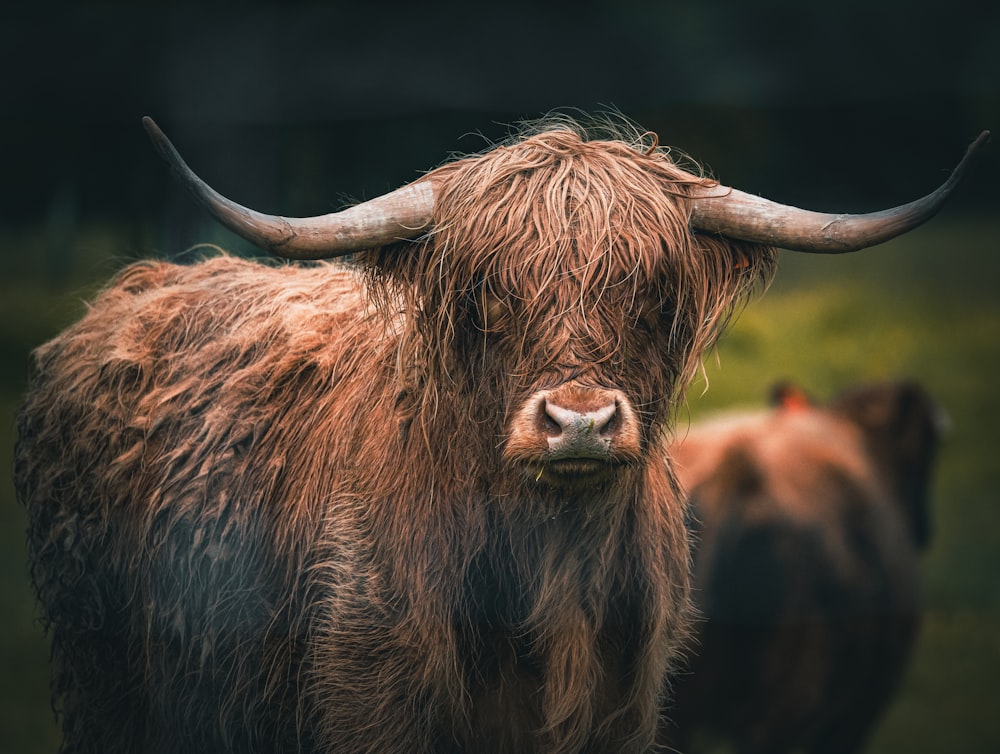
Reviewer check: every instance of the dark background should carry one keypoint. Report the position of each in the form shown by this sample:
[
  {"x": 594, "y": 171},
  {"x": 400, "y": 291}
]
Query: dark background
[
  {"x": 295, "y": 109},
  {"x": 292, "y": 108}
]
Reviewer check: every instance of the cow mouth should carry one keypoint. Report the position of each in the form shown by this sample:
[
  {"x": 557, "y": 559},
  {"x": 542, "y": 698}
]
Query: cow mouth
[{"x": 570, "y": 472}]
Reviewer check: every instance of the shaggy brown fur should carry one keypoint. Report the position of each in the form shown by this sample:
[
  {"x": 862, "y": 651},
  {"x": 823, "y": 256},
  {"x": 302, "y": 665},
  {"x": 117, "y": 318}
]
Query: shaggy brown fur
[
  {"x": 270, "y": 507},
  {"x": 809, "y": 524}
]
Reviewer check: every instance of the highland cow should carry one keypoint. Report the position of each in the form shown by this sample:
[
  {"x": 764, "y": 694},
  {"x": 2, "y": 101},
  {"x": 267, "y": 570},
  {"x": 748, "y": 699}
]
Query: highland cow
[
  {"x": 809, "y": 523},
  {"x": 418, "y": 503}
]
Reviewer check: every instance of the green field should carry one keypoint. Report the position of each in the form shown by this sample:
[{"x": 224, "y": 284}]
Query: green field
[{"x": 924, "y": 307}]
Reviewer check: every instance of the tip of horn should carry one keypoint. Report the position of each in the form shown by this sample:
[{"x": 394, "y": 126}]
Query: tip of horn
[
  {"x": 161, "y": 143},
  {"x": 970, "y": 154},
  {"x": 978, "y": 143},
  {"x": 151, "y": 128}
]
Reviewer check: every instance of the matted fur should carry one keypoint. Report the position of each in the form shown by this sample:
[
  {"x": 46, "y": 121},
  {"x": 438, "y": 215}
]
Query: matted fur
[{"x": 270, "y": 509}]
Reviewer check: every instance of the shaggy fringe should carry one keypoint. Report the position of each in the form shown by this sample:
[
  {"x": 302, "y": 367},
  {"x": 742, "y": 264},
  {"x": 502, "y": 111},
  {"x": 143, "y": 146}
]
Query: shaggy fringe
[{"x": 565, "y": 223}]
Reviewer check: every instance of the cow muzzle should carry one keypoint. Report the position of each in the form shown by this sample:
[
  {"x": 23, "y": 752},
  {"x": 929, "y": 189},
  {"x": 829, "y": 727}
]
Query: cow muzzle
[{"x": 573, "y": 435}]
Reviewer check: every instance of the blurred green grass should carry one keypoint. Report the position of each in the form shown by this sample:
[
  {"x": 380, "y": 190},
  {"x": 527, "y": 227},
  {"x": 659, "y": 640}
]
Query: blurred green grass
[{"x": 924, "y": 307}]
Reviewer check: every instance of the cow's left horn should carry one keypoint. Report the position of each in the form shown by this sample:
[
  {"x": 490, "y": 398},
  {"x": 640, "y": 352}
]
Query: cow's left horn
[
  {"x": 735, "y": 214},
  {"x": 400, "y": 214}
]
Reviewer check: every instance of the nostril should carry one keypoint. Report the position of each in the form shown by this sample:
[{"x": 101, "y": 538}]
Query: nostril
[
  {"x": 603, "y": 421},
  {"x": 610, "y": 426},
  {"x": 552, "y": 427},
  {"x": 556, "y": 419}
]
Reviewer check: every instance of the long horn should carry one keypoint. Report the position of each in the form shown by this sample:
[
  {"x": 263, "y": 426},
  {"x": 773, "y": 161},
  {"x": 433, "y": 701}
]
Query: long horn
[
  {"x": 400, "y": 214},
  {"x": 733, "y": 213}
]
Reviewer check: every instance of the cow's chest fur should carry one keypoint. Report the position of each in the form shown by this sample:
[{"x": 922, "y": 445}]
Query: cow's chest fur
[{"x": 547, "y": 654}]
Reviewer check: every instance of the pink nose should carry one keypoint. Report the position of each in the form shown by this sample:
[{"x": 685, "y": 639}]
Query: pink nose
[
  {"x": 574, "y": 434},
  {"x": 575, "y": 422},
  {"x": 579, "y": 433}
]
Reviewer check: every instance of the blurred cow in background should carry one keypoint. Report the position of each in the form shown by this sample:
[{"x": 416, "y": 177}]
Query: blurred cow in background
[{"x": 809, "y": 521}]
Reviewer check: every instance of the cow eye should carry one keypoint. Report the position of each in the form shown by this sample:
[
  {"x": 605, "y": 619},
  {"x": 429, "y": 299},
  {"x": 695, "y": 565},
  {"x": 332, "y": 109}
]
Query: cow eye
[
  {"x": 652, "y": 315},
  {"x": 490, "y": 310}
]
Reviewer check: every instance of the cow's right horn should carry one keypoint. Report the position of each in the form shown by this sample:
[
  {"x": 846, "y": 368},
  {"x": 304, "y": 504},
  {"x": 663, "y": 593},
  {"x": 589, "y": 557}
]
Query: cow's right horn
[{"x": 400, "y": 214}]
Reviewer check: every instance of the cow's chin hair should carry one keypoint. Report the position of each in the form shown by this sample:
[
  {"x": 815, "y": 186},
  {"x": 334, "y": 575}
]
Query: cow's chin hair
[{"x": 583, "y": 486}]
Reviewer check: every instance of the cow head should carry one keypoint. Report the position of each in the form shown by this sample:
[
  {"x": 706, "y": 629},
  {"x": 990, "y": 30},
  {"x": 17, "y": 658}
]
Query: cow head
[
  {"x": 561, "y": 281},
  {"x": 569, "y": 282}
]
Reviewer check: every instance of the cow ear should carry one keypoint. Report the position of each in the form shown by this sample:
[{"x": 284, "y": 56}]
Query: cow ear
[
  {"x": 903, "y": 426},
  {"x": 788, "y": 396},
  {"x": 890, "y": 407}
]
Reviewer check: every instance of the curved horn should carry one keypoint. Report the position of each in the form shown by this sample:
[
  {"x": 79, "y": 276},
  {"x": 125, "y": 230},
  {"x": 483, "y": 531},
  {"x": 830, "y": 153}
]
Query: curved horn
[
  {"x": 733, "y": 213},
  {"x": 403, "y": 213}
]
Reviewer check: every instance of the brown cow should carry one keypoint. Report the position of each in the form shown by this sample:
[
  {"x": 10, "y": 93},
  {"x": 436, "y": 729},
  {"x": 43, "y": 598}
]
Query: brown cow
[
  {"x": 809, "y": 521},
  {"x": 416, "y": 504}
]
